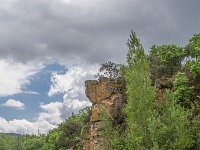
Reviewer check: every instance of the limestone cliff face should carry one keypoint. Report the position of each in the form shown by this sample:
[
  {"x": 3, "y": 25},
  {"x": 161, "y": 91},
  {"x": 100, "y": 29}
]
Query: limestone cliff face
[{"x": 109, "y": 94}]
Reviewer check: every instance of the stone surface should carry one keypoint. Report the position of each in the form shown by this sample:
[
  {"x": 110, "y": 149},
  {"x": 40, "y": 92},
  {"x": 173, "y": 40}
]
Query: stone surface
[{"x": 109, "y": 94}]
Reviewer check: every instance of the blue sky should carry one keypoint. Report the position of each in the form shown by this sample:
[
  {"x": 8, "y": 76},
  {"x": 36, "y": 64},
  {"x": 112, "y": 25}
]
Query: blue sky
[
  {"x": 47, "y": 96},
  {"x": 39, "y": 83},
  {"x": 48, "y": 48}
]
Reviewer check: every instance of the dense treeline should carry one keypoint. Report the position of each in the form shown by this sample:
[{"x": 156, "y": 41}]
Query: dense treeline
[{"x": 170, "y": 122}]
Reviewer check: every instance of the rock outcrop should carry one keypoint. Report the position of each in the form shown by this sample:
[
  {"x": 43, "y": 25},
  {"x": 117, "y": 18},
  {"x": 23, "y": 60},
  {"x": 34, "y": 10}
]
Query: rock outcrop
[{"x": 109, "y": 94}]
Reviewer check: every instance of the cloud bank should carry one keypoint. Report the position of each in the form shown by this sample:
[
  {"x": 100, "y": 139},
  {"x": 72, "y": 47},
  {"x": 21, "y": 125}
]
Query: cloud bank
[{"x": 91, "y": 31}]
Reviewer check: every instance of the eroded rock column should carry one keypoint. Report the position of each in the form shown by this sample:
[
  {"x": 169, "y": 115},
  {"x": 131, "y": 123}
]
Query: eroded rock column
[{"x": 109, "y": 94}]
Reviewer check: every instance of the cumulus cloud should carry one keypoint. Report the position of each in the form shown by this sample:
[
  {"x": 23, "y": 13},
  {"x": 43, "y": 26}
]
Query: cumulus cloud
[
  {"x": 91, "y": 31},
  {"x": 25, "y": 127},
  {"x": 14, "y": 104},
  {"x": 71, "y": 85},
  {"x": 14, "y": 76},
  {"x": 56, "y": 112},
  {"x": 75, "y": 104},
  {"x": 51, "y": 113},
  {"x": 46, "y": 120},
  {"x": 72, "y": 81}
]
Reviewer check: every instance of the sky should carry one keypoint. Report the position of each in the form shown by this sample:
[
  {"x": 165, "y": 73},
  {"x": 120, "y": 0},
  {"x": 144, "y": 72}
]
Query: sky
[{"x": 48, "y": 48}]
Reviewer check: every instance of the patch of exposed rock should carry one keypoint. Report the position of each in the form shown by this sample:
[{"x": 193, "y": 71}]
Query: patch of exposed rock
[{"x": 108, "y": 93}]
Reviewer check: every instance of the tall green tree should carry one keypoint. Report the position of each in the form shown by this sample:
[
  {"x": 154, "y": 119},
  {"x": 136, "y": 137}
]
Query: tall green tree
[{"x": 140, "y": 95}]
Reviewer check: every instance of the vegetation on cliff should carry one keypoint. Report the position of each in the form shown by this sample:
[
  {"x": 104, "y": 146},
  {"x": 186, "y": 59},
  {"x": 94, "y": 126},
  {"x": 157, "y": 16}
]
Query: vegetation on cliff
[{"x": 172, "y": 121}]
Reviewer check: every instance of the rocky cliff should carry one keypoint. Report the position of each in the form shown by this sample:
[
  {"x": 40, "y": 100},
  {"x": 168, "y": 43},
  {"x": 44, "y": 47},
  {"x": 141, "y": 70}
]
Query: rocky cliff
[{"x": 109, "y": 94}]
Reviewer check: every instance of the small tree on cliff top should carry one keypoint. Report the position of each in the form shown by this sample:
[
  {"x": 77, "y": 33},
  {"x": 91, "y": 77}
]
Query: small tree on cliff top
[{"x": 110, "y": 70}]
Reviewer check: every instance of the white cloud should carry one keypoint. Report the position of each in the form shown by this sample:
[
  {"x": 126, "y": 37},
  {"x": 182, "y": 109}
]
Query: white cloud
[
  {"x": 52, "y": 113},
  {"x": 14, "y": 104},
  {"x": 25, "y": 127},
  {"x": 71, "y": 85},
  {"x": 31, "y": 92},
  {"x": 14, "y": 76},
  {"x": 72, "y": 82},
  {"x": 45, "y": 121},
  {"x": 75, "y": 104}
]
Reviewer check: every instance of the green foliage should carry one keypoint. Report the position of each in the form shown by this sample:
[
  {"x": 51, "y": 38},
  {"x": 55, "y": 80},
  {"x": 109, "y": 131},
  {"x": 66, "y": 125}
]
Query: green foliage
[
  {"x": 194, "y": 67},
  {"x": 171, "y": 128},
  {"x": 50, "y": 141},
  {"x": 8, "y": 142},
  {"x": 28, "y": 142},
  {"x": 182, "y": 90},
  {"x": 151, "y": 125},
  {"x": 68, "y": 134},
  {"x": 107, "y": 130},
  {"x": 193, "y": 48},
  {"x": 136, "y": 51},
  {"x": 112, "y": 136},
  {"x": 140, "y": 96},
  {"x": 33, "y": 142},
  {"x": 195, "y": 125},
  {"x": 165, "y": 60},
  {"x": 110, "y": 70},
  {"x": 193, "y": 52}
]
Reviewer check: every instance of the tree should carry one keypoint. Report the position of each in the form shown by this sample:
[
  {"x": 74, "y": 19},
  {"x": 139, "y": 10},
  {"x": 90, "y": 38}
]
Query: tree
[
  {"x": 193, "y": 48},
  {"x": 112, "y": 135},
  {"x": 140, "y": 96},
  {"x": 193, "y": 53},
  {"x": 151, "y": 125},
  {"x": 170, "y": 129},
  {"x": 183, "y": 90},
  {"x": 32, "y": 142},
  {"x": 51, "y": 140},
  {"x": 165, "y": 60},
  {"x": 110, "y": 70}
]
